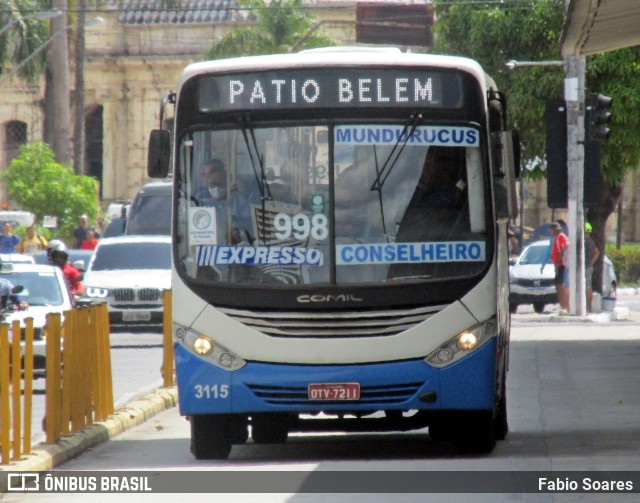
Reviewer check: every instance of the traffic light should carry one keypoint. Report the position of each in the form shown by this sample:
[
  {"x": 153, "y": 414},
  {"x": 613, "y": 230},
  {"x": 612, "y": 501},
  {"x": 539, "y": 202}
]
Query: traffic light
[
  {"x": 557, "y": 176},
  {"x": 556, "y": 133},
  {"x": 598, "y": 117}
]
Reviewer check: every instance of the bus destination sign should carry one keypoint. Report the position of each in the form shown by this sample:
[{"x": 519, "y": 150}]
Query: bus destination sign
[{"x": 310, "y": 88}]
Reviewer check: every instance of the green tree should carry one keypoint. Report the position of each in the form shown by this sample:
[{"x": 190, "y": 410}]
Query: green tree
[
  {"x": 281, "y": 26},
  {"x": 494, "y": 33},
  {"x": 23, "y": 34},
  {"x": 39, "y": 184}
]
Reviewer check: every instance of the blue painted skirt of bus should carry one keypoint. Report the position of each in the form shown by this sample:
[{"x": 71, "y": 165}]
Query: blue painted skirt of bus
[{"x": 261, "y": 387}]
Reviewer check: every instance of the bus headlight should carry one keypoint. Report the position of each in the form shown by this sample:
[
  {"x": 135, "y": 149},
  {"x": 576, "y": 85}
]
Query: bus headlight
[
  {"x": 206, "y": 348},
  {"x": 467, "y": 341},
  {"x": 202, "y": 345},
  {"x": 462, "y": 344}
]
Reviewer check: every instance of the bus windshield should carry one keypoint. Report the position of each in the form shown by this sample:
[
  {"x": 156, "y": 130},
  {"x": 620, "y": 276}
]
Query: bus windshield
[{"x": 331, "y": 203}]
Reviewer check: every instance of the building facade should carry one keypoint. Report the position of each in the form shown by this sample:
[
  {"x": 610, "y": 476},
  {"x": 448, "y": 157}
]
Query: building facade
[{"x": 133, "y": 58}]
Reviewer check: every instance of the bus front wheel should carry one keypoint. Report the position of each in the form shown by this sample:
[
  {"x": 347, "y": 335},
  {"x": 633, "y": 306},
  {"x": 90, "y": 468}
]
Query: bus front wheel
[
  {"x": 475, "y": 433},
  {"x": 210, "y": 436}
]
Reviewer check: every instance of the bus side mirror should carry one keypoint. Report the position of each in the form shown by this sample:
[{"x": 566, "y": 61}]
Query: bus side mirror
[
  {"x": 505, "y": 155},
  {"x": 159, "y": 153}
]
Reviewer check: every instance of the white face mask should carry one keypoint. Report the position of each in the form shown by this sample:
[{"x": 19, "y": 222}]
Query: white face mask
[{"x": 215, "y": 192}]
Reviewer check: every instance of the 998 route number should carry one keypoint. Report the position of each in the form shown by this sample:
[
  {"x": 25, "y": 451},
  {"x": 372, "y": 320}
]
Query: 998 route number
[{"x": 214, "y": 391}]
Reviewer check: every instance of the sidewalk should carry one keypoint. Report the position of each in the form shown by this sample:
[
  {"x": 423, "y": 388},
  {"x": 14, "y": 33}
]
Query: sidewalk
[
  {"x": 46, "y": 456},
  {"x": 619, "y": 313}
]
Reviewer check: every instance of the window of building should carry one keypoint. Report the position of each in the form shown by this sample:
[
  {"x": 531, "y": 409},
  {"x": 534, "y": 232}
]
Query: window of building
[{"x": 15, "y": 136}]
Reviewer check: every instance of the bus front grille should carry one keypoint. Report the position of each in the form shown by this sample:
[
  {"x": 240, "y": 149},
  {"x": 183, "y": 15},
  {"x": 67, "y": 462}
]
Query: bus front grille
[
  {"x": 333, "y": 323},
  {"x": 289, "y": 395}
]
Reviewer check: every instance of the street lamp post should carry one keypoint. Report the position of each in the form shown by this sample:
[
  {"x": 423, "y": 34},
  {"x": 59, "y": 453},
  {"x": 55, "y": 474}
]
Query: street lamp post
[
  {"x": 42, "y": 47},
  {"x": 41, "y": 15},
  {"x": 574, "y": 84},
  {"x": 513, "y": 63}
]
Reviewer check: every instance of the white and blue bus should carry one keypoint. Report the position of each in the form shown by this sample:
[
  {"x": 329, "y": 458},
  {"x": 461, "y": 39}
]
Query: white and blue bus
[{"x": 339, "y": 246}]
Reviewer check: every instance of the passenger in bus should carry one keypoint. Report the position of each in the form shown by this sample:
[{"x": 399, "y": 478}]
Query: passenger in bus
[
  {"x": 233, "y": 205},
  {"x": 437, "y": 212},
  {"x": 214, "y": 177},
  {"x": 441, "y": 183}
]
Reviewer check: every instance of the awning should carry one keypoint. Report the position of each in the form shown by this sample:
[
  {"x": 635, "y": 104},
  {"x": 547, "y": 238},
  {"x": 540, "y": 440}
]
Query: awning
[{"x": 595, "y": 26}]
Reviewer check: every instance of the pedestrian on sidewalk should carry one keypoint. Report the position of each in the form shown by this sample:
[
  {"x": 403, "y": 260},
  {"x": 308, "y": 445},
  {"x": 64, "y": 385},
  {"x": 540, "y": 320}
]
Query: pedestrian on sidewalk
[
  {"x": 591, "y": 254},
  {"x": 559, "y": 248}
]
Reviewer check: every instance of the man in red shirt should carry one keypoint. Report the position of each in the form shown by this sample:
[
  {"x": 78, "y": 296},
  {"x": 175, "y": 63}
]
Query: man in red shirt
[
  {"x": 559, "y": 250},
  {"x": 60, "y": 257}
]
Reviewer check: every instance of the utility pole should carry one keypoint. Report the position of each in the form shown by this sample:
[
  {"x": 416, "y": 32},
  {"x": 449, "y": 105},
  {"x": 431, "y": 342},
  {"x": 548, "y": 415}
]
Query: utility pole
[
  {"x": 574, "y": 85},
  {"x": 79, "y": 123},
  {"x": 57, "y": 99}
]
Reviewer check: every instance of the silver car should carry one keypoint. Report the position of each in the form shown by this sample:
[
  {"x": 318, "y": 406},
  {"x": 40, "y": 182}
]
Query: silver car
[
  {"x": 130, "y": 274},
  {"x": 531, "y": 283},
  {"x": 45, "y": 290}
]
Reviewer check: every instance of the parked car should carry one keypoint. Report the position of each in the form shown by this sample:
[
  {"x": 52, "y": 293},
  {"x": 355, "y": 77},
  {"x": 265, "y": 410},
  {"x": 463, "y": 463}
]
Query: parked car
[
  {"x": 16, "y": 258},
  {"x": 115, "y": 228},
  {"x": 45, "y": 290},
  {"x": 130, "y": 273},
  {"x": 532, "y": 284},
  {"x": 542, "y": 232},
  {"x": 78, "y": 258},
  {"x": 150, "y": 210},
  {"x": 16, "y": 217}
]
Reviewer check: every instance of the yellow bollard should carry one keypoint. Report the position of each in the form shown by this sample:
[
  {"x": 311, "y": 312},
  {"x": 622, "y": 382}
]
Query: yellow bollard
[
  {"x": 96, "y": 377},
  {"x": 106, "y": 334},
  {"x": 78, "y": 364},
  {"x": 86, "y": 343},
  {"x": 167, "y": 340},
  {"x": 97, "y": 365},
  {"x": 28, "y": 385},
  {"x": 69, "y": 372},
  {"x": 103, "y": 372},
  {"x": 16, "y": 388},
  {"x": 53, "y": 391},
  {"x": 5, "y": 417}
]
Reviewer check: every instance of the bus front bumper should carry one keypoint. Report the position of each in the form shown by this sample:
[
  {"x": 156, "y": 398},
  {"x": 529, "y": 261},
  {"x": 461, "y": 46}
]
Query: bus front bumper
[{"x": 468, "y": 384}]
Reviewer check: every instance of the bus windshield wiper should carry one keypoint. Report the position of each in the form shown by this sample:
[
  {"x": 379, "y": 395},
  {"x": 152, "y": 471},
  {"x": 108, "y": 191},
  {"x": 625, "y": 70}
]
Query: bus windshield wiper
[
  {"x": 261, "y": 180},
  {"x": 390, "y": 162},
  {"x": 392, "y": 158},
  {"x": 265, "y": 191}
]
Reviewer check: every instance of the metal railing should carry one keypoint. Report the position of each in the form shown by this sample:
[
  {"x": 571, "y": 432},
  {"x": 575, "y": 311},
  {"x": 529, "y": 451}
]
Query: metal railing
[{"x": 78, "y": 388}]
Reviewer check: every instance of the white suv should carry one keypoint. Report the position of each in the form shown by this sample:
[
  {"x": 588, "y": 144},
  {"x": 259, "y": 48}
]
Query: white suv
[{"x": 130, "y": 274}]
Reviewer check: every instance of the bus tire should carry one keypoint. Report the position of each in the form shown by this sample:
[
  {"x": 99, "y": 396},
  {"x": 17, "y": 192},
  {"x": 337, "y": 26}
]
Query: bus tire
[
  {"x": 500, "y": 421},
  {"x": 210, "y": 436},
  {"x": 513, "y": 308},
  {"x": 269, "y": 428},
  {"x": 442, "y": 429},
  {"x": 475, "y": 433},
  {"x": 538, "y": 307}
]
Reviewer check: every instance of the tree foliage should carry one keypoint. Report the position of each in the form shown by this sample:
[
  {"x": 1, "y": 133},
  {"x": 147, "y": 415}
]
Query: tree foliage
[
  {"x": 39, "y": 184},
  {"x": 23, "y": 36},
  {"x": 496, "y": 33},
  {"x": 281, "y": 26}
]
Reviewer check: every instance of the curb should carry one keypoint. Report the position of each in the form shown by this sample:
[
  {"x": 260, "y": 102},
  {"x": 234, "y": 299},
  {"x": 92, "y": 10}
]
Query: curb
[
  {"x": 46, "y": 456},
  {"x": 618, "y": 314}
]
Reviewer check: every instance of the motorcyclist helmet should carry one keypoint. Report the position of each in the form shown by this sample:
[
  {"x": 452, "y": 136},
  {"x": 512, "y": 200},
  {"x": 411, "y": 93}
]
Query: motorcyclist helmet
[
  {"x": 55, "y": 254},
  {"x": 55, "y": 245}
]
